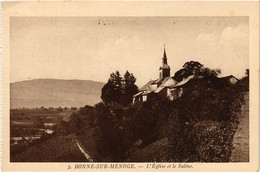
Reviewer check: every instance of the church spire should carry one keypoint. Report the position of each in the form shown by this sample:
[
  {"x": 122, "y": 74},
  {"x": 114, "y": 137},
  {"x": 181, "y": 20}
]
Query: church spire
[
  {"x": 164, "y": 56},
  {"x": 165, "y": 68}
]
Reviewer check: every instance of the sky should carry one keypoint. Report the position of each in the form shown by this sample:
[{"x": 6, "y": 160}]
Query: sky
[{"x": 91, "y": 48}]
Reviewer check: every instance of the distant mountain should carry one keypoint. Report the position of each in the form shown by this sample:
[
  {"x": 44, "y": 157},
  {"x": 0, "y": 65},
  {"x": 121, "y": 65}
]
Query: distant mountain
[{"x": 55, "y": 93}]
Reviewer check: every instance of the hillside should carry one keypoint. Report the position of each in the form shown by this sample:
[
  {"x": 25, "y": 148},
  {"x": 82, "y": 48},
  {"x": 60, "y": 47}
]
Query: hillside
[
  {"x": 55, "y": 149},
  {"x": 55, "y": 93}
]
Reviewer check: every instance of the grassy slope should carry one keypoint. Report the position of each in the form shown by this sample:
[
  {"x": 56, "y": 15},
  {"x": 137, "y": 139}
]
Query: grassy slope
[
  {"x": 89, "y": 142},
  {"x": 151, "y": 153},
  {"x": 56, "y": 149}
]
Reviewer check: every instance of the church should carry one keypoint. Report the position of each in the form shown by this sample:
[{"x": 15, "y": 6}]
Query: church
[
  {"x": 166, "y": 87},
  {"x": 160, "y": 86}
]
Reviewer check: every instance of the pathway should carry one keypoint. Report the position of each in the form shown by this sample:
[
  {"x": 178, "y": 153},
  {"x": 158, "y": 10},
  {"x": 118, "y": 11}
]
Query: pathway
[
  {"x": 82, "y": 150},
  {"x": 240, "y": 153}
]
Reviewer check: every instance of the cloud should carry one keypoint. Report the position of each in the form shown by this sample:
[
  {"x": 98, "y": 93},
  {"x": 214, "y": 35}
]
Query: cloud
[
  {"x": 235, "y": 37},
  {"x": 228, "y": 50}
]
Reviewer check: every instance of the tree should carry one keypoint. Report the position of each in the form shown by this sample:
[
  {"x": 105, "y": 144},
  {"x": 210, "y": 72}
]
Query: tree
[
  {"x": 108, "y": 92},
  {"x": 129, "y": 79},
  {"x": 194, "y": 68},
  {"x": 59, "y": 108},
  {"x": 129, "y": 88},
  {"x": 73, "y": 108},
  {"x": 119, "y": 90},
  {"x": 112, "y": 91},
  {"x": 247, "y": 73},
  {"x": 244, "y": 82}
]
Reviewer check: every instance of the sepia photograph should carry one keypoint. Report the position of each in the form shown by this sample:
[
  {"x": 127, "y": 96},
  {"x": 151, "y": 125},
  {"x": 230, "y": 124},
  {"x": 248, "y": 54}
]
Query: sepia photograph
[
  {"x": 155, "y": 89},
  {"x": 76, "y": 95}
]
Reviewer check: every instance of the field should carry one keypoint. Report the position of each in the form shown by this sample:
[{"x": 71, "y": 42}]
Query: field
[
  {"x": 48, "y": 115},
  {"x": 56, "y": 149},
  {"x": 25, "y": 119},
  {"x": 30, "y": 127}
]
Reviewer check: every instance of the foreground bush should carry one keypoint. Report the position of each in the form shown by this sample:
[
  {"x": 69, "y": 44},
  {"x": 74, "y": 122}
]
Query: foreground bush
[
  {"x": 207, "y": 118},
  {"x": 215, "y": 142}
]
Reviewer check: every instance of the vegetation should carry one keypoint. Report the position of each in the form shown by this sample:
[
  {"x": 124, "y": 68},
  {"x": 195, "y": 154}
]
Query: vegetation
[
  {"x": 244, "y": 82},
  {"x": 194, "y": 68},
  {"x": 197, "y": 127},
  {"x": 119, "y": 89},
  {"x": 28, "y": 129},
  {"x": 55, "y": 149}
]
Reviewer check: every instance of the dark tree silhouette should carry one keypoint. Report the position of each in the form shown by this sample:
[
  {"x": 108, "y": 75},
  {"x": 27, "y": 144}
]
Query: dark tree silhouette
[
  {"x": 244, "y": 82},
  {"x": 194, "y": 68},
  {"x": 119, "y": 90}
]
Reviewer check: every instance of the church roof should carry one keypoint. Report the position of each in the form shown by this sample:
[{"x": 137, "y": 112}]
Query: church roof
[
  {"x": 162, "y": 83},
  {"x": 147, "y": 86},
  {"x": 166, "y": 82},
  {"x": 166, "y": 79},
  {"x": 159, "y": 89},
  {"x": 184, "y": 81},
  {"x": 137, "y": 94},
  {"x": 228, "y": 77}
]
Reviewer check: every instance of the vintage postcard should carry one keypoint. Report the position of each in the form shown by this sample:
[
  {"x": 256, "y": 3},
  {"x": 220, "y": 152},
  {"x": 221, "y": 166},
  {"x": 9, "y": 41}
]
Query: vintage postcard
[{"x": 130, "y": 86}]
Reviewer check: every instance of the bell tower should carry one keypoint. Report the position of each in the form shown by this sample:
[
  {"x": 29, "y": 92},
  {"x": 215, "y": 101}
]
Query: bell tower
[{"x": 165, "y": 68}]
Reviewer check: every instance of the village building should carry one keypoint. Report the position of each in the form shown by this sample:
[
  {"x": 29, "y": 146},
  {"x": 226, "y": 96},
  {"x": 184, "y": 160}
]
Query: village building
[{"x": 167, "y": 87}]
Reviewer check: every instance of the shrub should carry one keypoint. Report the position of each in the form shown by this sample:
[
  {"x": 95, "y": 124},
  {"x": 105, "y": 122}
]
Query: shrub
[
  {"x": 190, "y": 141},
  {"x": 215, "y": 142}
]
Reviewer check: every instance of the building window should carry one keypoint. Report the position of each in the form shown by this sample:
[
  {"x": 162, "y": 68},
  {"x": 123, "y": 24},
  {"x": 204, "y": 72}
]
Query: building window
[{"x": 144, "y": 98}]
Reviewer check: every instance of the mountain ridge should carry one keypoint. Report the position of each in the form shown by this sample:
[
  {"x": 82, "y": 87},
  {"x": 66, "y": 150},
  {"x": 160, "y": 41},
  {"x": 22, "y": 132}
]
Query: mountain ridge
[
  {"x": 55, "y": 93},
  {"x": 38, "y": 79}
]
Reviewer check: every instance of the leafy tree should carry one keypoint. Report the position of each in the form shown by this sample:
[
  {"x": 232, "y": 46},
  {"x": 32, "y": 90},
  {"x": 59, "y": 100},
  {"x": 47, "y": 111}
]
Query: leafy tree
[
  {"x": 129, "y": 79},
  {"x": 73, "y": 108},
  {"x": 129, "y": 88},
  {"x": 244, "y": 82},
  {"x": 247, "y": 73},
  {"x": 246, "y": 77},
  {"x": 119, "y": 89},
  {"x": 59, "y": 108},
  {"x": 194, "y": 68}
]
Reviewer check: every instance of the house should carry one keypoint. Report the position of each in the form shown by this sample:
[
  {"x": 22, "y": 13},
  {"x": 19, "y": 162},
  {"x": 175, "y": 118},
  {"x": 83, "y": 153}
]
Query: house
[{"x": 167, "y": 87}]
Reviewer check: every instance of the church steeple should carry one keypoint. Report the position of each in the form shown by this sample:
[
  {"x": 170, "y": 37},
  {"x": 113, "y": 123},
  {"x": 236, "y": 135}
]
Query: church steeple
[
  {"x": 164, "y": 56},
  {"x": 165, "y": 68}
]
